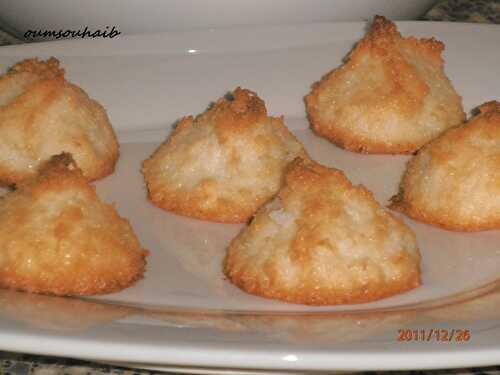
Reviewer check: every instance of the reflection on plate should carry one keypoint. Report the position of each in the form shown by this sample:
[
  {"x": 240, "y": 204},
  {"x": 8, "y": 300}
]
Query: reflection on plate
[
  {"x": 213, "y": 370},
  {"x": 58, "y": 313},
  {"x": 219, "y": 370}
]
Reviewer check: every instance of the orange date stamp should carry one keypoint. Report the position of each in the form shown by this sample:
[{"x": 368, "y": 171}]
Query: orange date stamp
[{"x": 434, "y": 335}]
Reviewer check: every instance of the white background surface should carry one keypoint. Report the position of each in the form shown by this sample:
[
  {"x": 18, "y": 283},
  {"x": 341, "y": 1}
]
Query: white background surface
[{"x": 137, "y": 16}]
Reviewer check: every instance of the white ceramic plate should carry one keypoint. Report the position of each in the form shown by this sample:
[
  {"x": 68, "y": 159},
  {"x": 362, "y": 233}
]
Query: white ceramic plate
[{"x": 184, "y": 313}]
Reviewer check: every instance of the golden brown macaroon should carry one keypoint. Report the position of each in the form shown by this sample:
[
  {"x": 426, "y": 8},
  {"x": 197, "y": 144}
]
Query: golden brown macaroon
[
  {"x": 391, "y": 96},
  {"x": 42, "y": 114},
  {"x": 454, "y": 181},
  {"x": 58, "y": 238},
  {"x": 323, "y": 241},
  {"x": 225, "y": 163}
]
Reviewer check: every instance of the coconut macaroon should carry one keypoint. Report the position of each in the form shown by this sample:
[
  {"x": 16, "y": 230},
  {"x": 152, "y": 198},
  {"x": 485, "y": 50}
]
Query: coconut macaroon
[
  {"x": 225, "y": 163},
  {"x": 42, "y": 114},
  {"x": 454, "y": 181},
  {"x": 391, "y": 96},
  {"x": 323, "y": 241},
  {"x": 58, "y": 238}
]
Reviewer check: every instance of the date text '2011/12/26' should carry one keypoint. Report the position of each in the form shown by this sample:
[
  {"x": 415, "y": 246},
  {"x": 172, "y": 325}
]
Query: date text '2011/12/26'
[{"x": 434, "y": 334}]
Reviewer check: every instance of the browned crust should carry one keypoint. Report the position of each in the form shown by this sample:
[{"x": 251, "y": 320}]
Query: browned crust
[
  {"x": 488, "y": 119},
  {"x": 492, "y": 107},
  {"x": 87, "y": 278},
  {"x": 191, "y": 204},
  {"x": 383, "y": 32},
  {"x": 310, "y": 294},
  {"x": 64, "y": 287},
  {"x": 9, "y": 177},
  {"x": 49, "y": 69},
  {"x": 231, "y": 117},
  {"x": 380, "y": 41},
  {"x": 348, "y": 141},
  {"x": 13, "y": 281},
  {"x": 306, "y": 175},
  {"x": 442, "y": 221}
]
